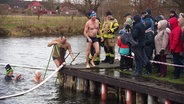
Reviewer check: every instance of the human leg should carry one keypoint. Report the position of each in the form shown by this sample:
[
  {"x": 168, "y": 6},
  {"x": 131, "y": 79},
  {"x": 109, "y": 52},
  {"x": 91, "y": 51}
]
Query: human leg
[
  {"x": 163, "y": 68},
  {"x": 106, "y": 50},
  {"x": 177, "y": 70},
  {"x": 57, "y": 62},
  {"x": 138, "y": 61},
  {"x": 97, "y": 51},
  {"x": 88, "y": 49},
  {"x": 111, "y": 43}
]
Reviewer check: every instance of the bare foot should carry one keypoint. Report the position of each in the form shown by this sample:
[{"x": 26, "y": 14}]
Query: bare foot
[
  {"x": 92, "y": 63},
  {"x": 87, "y": 66}
]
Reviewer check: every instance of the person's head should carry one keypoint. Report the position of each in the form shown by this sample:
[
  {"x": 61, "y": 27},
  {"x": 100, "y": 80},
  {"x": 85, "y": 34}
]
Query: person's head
[
  {"x": 181, "y": 15},
  {"x": 172, "y": 14},
  {"x": 109, "y": 15},
  {"x": 38, "y": 74},
  {"x": 158, "y": 18},
  {"x": 148, "y": 11},
  {"x": 137, "y": 18},
  {"x": 92, "y": 15},
  {"x": 63, "y": 39},
  {"x": 127, "y": 15},
  {"x": 9, "y": 70},
  {"x": 143, "y": 14},
  {"x": 162, "y": 24}
]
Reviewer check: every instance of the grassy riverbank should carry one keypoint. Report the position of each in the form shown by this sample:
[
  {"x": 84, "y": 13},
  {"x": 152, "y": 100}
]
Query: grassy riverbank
[
  {"x": 169, "y": 78},
  {"x": 18, "y": 26}
]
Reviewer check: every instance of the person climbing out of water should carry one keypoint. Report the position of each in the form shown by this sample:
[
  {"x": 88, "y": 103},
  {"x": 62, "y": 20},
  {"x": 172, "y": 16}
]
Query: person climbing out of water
[
  {"x": 91, "y": 30},
  {"x": 61, "y": 46},
  {"x": 9, "y": 74},
  {"x": 37, "y": 78}
]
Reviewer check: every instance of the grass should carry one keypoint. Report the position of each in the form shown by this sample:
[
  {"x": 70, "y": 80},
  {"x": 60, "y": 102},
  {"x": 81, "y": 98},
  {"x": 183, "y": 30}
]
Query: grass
[
  {"x": 61, "y": 24},
  {"x": 169, "y": 78}
]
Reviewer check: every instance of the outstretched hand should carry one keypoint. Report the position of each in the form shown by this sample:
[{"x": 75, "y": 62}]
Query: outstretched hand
[{"x": 18, "y": 77}]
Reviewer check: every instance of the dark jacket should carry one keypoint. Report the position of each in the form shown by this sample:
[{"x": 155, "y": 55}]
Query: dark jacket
[{"x": 138, "y": 31}]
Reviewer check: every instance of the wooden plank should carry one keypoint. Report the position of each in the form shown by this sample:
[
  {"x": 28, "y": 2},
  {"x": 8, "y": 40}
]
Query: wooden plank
[{"x": 132, "y": 84}]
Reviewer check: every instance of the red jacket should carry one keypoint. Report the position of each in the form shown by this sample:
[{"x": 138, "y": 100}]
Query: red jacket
[
  {"x": 121, "y": 45},
  {"x": 175, "y": 36}
]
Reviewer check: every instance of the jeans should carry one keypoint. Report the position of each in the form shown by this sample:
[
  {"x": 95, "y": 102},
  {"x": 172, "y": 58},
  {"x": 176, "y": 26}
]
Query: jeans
[
  {"x": 176, "y": 60},
  {"x": 141, "y": 60}
]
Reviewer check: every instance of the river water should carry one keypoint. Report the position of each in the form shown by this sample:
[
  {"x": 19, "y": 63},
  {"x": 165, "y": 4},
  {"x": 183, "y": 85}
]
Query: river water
[{"x": 35, "y": 53}]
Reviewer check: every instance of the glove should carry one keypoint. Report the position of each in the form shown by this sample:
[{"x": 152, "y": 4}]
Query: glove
[
  {"x": 162, "y": 52},
  {"x": 109, "y": 31},
  {"x": 172, "y": 51}
]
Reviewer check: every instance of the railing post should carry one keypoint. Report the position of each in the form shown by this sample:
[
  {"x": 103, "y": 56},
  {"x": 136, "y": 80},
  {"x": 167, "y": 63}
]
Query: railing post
[
  {"x": 129, "y": 97},
  {"x": 150, "y": 99},
  {"x": 167, "y": 101},
  {"x": 103, "y": 92}
]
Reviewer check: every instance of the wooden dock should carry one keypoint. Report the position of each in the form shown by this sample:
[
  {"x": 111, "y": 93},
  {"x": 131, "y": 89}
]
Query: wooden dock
[{"x": 80, "y": 78}]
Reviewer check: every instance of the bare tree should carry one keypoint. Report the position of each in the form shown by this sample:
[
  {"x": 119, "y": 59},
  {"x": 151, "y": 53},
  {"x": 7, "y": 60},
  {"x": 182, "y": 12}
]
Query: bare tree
[
  {"x": 179, "y": 4},
  {"x": 84, "y": 6},
  {"x": 141, "y": 5}
]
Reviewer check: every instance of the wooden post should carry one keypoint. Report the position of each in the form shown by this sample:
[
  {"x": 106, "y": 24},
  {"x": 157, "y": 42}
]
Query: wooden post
[
  {"x": 167, "y": 101},
  {"x": 78, "y": 84},
  {"x": 139, "y": 98},
  {"x": 116, "y": 73},
  {"x": 129, "y": 97},
  {"x": 87, "y": 87},
  {"x": 103, "y": 92},
  {"x": 150, "y": 99}
]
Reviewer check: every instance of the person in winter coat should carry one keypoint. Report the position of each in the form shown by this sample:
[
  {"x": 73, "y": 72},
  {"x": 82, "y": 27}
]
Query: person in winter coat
[
  {"x": 138, "y": 34},
  {"x": 176, "y": 46},
  {"x": 162, "y": 45},
  {"x": 149, "y": 40},
  {"x": 123, "y": 50},
  {"x": 181, "y": 24}
]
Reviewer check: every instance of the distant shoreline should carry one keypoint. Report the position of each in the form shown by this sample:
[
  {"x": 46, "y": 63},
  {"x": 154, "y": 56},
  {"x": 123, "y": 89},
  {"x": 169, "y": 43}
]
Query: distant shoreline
[{"x": 26, "y": 26}]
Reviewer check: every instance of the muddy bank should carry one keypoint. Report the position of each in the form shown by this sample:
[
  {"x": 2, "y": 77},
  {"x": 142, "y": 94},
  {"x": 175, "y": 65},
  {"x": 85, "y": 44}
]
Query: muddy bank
[{"x": 27, "y": 31}]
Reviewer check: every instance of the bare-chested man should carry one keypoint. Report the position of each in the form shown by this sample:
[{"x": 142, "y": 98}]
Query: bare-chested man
[
  {"x": 91, "y": 30},
  {"x": 60, "y": 50}
]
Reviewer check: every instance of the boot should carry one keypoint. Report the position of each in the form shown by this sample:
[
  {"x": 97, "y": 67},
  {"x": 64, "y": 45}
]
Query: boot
[
  {"x": 106, "y": 59},
  {"x": 111, "y": 61}
]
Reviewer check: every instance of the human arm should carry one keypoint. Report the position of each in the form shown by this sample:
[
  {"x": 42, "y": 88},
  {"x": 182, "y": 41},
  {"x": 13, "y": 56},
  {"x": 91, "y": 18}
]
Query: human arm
[
  {"x": 85, "y": 32},
  {"x": 53, "y": 42},
  {"x": 18, "y": 77},
  {"x": 115, "y": 27}
]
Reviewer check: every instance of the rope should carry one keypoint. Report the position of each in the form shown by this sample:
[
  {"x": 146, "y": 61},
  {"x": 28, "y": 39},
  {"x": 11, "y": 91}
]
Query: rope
[
  {"x": 48, "y": 62},
  {"x": 27, "y": 91},
  {"x": 24, "y": 66}
]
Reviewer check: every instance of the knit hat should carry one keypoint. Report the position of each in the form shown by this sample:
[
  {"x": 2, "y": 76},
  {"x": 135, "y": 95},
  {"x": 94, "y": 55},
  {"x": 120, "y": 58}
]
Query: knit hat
[
  {"x": 92, "y": 13},
  {"x": 8, "y": 69},
  {"x": 137, "y": 18},
  {"x": 108, "y": 13}
]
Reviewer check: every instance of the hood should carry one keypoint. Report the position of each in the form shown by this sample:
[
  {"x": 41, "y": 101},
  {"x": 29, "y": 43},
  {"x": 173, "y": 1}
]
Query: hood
[
  {"x": 137, "y": 18},
  {"x": 147, "y": 24},
  {"x": 173, "y": 22},
  {"x": 162, "y": 24}
]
